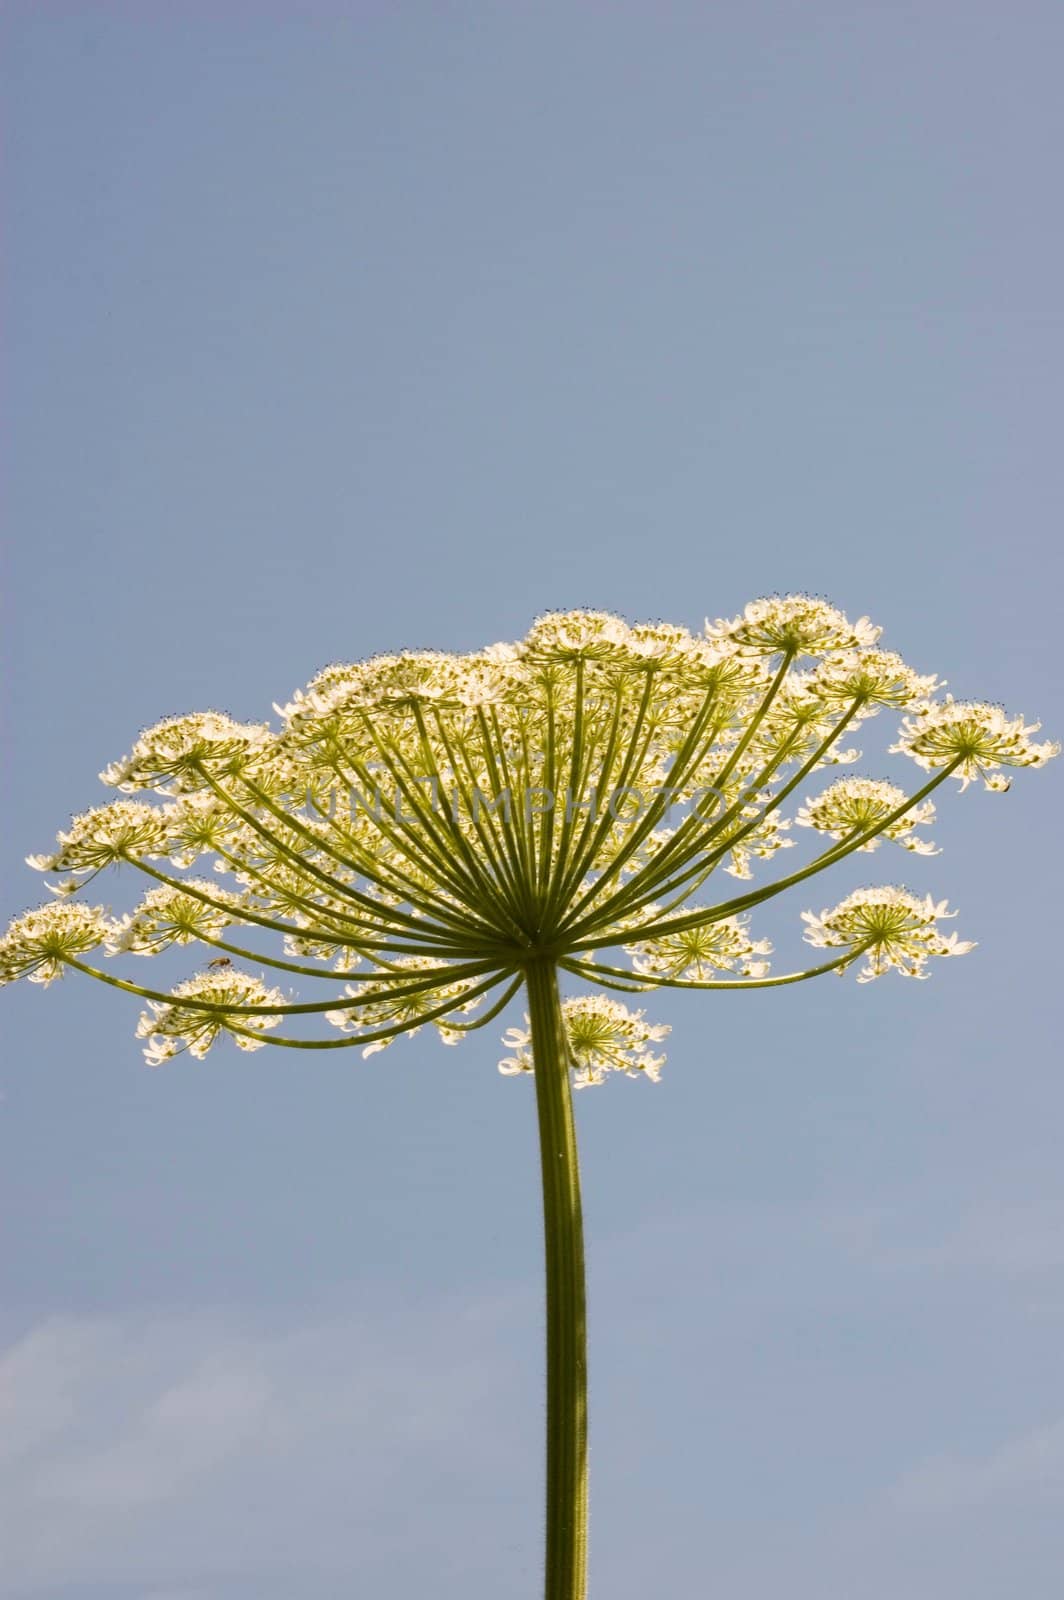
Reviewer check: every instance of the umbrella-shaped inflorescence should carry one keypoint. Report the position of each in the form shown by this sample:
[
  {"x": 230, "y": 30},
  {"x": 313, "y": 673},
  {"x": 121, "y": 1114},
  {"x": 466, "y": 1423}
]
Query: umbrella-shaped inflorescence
[{"x": 427, "y": 834}]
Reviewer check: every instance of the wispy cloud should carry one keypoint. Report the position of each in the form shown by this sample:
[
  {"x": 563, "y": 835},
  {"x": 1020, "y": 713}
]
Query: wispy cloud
[
  {"x": 161, "y": 1451},
  {"x": 1003, "y": 1238},
  {"x": 396, "y": 1448},
  {"x": 1029, "y": 1464}
]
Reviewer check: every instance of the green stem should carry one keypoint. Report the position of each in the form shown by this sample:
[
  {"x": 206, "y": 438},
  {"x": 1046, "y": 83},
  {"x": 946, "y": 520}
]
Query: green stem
[
  {"x": 640, "y": 982},
  {"x": 566, "y": 1560}
]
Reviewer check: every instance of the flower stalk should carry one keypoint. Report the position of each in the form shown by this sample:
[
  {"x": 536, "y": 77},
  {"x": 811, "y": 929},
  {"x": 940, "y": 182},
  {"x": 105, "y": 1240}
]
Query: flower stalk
[
  {"x": 536, "y": 806},
  {"x": 567, "y": 1491}
]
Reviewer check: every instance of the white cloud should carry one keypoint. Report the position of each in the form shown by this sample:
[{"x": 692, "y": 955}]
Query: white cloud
[
  {"x": 397, "y": 1449},
  {"x": 1009, "y": 1239},
  {"x": 213, "y": 1414},
  {"x": 1031, "y": 1464},
  {"x": 168, "y": 1452}
]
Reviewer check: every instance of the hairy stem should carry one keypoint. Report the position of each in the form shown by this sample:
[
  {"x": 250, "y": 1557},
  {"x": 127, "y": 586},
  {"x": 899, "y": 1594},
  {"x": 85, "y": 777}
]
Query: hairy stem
[{"x": 566, "y": 1559}]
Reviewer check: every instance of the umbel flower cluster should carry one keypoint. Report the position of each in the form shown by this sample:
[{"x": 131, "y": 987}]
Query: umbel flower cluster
[
  {"x": 423, "y": 835},
  {"x": 422, "y": 826}
]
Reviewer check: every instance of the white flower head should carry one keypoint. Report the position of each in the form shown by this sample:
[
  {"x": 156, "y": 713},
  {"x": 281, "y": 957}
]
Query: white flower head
[
  {"x": 36, "y": 944},
  {"x": 871, "y": 677},
  {"x": 342, "y": 958},
  {"x": 104, "y": 836},
  {"x": 414, "y": 677},
  {"x": 307, "y": 705},
  {"x": 661, "y": 642},
  {"x": 761, "y": 843},
  {"x": 400, "y": 1005},
  {"x": 604, "y": 1036},
  {"x": 795, "y": 624},
  {"x": 890, "y": 926},
  {"x": 578, "y": 635},
  {"x": 173, "y": 1026},
  {"x": 854, "y": 805},
  {"x": 703, "y": 952},
  {"x": 168, "y": 916},
  {"x": 333, "y": 710},
  {"x": 981, "y": 738},
  {"x": 171, "y": 756},
  {"x": 197, "y": 824}
]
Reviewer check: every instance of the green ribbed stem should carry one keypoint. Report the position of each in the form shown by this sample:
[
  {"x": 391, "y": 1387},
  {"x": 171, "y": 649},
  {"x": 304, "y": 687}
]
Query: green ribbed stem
[{"x": 566, "y": 1560}]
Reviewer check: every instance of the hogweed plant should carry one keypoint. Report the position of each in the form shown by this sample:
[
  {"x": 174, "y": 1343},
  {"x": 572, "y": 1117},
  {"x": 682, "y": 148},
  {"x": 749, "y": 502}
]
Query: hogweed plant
[{"x": 428, "y": 835}]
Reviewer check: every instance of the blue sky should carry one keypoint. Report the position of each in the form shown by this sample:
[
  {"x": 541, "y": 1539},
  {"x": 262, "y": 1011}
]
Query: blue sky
[{"x": 335, "y": 329}]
